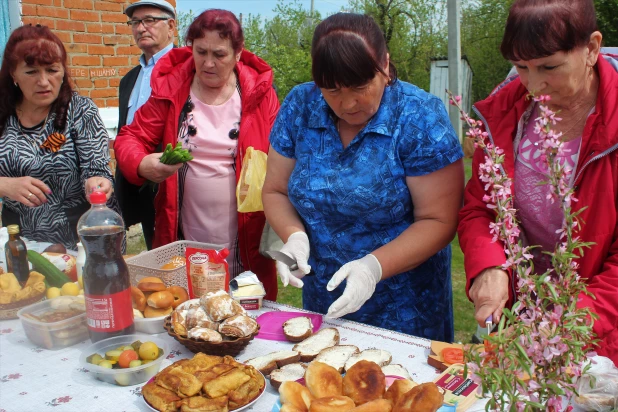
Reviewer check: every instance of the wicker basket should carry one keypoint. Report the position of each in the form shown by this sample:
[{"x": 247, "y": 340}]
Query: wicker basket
[
  {"x": 9, "y": 310},
  {"x": 149, "y": 263},
  {"x": 227, "y": 347}
]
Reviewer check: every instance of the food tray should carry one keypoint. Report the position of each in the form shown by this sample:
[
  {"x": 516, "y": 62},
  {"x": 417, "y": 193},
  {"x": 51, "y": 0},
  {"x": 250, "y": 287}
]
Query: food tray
[
  {"x": 227, "y": 347},
  {"x": 149, "y": 263}
]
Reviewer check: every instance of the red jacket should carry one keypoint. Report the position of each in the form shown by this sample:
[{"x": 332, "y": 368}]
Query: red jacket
[
  {"x": 596, "y": 187},
  {"x": 156, "y": 122}
]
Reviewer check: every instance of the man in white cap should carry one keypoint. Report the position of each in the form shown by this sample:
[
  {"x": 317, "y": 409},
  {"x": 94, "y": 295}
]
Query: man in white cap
[{"x": 153, "y": 23}]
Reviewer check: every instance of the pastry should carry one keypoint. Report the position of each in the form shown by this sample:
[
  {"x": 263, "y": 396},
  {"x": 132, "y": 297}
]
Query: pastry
[
  {"x": 205, "y": 334},
  {"x": 151, "y": 284},
  {"x": 201, "y": 404},
  {"x": 332, "y": 404},
  {"x": 151, "y": 312},
  {"x": 138, "y": 298},
  {"x": 179, "y": 381},
  {"x": 198, "y": 318},
  {"x": 160, "y": 398},
  {"x": 378, "y": 405},
  {"x": 179, "y": 322},
  {"x": 364, "y": 382},
  {"x": 180, "y": 295},
  {"x": 398, "y": 389},
  {"x": 160, "y": 300},
  {"x": 225, "y": 383},
  {"x": 219, "y": 305},
  {"x": 239, "y": 326},
  {"x": 425, "y": 397},
  {"x": 323, "y": 380},
  {"x": 295, "y": 394}
]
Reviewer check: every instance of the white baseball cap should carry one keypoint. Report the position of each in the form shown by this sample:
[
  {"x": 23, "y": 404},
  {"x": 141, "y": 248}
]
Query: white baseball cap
[{"x": 160, "y": 4}]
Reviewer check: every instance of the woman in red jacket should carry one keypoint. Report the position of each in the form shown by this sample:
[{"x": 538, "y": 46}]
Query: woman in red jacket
[
  {"x": 554, "y": 45},
  {"x": 218, "y": 100}
]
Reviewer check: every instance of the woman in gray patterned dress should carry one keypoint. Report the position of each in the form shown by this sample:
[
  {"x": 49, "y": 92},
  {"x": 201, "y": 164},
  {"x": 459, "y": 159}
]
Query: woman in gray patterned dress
[{"x": 53, "y": 144}]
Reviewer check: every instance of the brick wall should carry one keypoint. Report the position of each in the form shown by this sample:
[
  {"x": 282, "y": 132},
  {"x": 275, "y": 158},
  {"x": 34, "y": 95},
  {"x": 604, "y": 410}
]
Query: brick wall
[{"x": 100, "y": 45}]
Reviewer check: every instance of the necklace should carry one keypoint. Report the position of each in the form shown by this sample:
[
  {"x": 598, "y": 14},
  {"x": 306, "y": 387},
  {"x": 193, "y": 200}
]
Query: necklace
[{"x": 41, "y": 128}]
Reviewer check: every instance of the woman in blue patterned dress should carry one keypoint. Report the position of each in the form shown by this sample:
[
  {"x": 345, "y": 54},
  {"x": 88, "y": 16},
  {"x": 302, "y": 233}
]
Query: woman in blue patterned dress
[{"x": 364, "y": 183}]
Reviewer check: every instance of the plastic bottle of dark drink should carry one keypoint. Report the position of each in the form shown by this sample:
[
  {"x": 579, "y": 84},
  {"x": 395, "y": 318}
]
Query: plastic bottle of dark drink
[
  {"x": 16, "y": 254},
  {"x": 107, "y": 286}
]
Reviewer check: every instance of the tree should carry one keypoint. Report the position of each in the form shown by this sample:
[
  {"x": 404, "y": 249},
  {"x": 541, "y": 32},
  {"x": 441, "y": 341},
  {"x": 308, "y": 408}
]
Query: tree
[
  {"x": 183, "y": 21},
  {"x": 607, "y": 18}
]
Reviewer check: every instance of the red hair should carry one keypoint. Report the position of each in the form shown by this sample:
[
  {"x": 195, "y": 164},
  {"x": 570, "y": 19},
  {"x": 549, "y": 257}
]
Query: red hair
[
  {"x": 222, "y": 21},
  {"x": 540, "y": 28},
  {"x": 35, "y": 45}
]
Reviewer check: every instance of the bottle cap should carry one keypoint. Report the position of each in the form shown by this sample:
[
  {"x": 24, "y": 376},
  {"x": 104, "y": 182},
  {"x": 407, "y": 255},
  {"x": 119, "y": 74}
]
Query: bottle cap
[
  {"x": 98, "y": 198},
  {"x": 12, "y": 229}
]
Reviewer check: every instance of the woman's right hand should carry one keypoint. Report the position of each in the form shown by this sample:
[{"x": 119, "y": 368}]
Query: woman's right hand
[
  {"x": 152, "y": 169},
  {"x": 297, "y": 247},
  {"x": 27, "y": 190},
  {"x": 489, "y": 293}
]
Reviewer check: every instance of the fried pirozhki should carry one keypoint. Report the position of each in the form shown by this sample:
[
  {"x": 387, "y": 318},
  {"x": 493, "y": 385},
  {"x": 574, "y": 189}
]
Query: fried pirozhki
[
  {"x": 160, "y": 398},
  {"x": 222, "y": 384},
  {"x": 364, "y": 382}
]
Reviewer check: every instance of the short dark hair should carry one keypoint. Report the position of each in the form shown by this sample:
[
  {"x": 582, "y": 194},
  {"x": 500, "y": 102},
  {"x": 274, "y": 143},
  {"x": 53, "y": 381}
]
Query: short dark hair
[
  {"x": 348, "y": 50},
  {"x": 35, "y": 45},
  {"x": 222, "y": 21},
  {"x": 540, "y": 28}
]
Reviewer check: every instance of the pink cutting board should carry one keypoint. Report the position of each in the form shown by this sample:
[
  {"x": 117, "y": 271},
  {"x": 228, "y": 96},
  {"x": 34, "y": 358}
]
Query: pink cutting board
[{"x": 271, "y": 323}]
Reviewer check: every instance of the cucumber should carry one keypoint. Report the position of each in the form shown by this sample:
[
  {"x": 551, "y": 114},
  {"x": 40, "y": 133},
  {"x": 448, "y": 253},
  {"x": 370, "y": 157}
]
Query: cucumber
[{"x": 52, "y": 274}]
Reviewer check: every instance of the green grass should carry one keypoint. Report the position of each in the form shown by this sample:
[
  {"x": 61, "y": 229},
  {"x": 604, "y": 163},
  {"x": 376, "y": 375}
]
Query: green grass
[{"x": 465, "y": 325}]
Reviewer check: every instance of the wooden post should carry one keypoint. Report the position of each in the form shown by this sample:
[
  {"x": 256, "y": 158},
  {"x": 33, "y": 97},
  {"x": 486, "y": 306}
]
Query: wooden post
[{"x": 454, "y": 60}]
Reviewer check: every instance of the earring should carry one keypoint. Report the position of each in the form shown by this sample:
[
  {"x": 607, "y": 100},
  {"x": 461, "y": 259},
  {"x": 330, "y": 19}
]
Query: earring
[{"x": 15, "y": 83}]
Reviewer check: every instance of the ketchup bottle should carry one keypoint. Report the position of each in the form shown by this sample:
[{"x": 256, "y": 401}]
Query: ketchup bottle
[{"x": 107, "y": 285}]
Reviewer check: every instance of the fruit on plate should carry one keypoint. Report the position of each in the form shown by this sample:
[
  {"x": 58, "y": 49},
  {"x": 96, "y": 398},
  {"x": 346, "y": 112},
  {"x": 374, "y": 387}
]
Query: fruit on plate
[{"x": 129, "y": 356}]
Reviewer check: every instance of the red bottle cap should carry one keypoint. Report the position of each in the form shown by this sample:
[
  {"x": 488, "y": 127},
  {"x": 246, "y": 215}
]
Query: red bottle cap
[{"x": 98, "y": 198}]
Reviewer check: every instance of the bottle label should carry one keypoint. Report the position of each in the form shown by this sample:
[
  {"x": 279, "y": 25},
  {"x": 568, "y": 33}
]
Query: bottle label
[{"x": 109, "y": 313}]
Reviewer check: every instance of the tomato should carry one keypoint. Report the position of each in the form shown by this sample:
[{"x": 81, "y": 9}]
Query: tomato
[
  {"x": 452, "y": 355},
  {"x": 126, "y": 357}
]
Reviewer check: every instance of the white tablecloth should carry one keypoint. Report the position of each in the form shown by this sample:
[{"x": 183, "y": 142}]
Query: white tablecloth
[{"x": 35, "y": 379}]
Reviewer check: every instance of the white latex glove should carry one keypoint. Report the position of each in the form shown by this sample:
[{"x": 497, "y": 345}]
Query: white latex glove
[
  {"x": 362, "y": 277},
  {"x": 297, "y": 247}
]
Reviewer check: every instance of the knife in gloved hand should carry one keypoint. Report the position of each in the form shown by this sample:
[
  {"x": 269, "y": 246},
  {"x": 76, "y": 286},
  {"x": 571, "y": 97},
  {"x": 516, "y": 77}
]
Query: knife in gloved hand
[{"x": 282, "y": 257}]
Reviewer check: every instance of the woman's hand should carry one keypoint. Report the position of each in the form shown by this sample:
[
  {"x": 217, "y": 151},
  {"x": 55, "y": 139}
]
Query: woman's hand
[
  {"x": 152, "y": 169},
  {"x": 98, "y": 184},
  {"x": 489, "y": 293},
  {"x": 297, "y": 247},
  {"x": 362, "y": 277},
  {"x": 27, "y": 190}
]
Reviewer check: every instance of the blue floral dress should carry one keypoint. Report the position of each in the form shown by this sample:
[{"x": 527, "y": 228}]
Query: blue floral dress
[{"x": 352, "y": 201}]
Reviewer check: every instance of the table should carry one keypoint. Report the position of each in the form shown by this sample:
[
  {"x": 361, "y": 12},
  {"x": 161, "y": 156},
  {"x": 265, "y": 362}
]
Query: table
[{"x": 36, "y": 379}]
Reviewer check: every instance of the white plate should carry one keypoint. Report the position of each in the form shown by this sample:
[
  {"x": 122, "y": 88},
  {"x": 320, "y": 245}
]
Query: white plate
[{"x": 231, "y": 410}]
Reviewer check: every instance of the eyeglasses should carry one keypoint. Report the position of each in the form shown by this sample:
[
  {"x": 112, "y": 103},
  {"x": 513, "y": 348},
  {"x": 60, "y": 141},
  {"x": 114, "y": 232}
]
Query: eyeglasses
[{"x": 148, "y": 21}]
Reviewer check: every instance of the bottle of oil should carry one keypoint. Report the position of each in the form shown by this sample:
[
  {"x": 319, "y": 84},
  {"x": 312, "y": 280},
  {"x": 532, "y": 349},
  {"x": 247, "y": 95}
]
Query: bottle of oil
[{"x": 16, "y": 254}]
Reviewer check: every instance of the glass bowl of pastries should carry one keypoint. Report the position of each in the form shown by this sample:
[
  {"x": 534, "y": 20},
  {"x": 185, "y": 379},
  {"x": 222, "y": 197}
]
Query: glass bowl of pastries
[
  {"x": 204, "y": 383},
  {"x": 14, "y": 296},
  {"x": 215, "y": 324}
]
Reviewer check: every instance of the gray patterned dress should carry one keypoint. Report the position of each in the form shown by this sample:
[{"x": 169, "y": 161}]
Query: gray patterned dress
[{"x": 85, "y": 154}]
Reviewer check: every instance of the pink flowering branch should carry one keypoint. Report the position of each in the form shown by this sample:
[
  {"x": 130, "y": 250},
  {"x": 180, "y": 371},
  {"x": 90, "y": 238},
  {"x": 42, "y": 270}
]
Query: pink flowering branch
[{"x": 538, "y": 353}]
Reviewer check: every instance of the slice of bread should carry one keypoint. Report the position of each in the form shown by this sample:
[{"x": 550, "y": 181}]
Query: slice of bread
[
  {"x": 379, "y": 356},
  {"x": 267, "y": 363},
  {"x": 291, "y": 372},
  {"x": 337, "y": 356},
  {"x": 396, "y": 370},
  {"x": 322, "y": 339},
  {"x": 297, "y": 329}
]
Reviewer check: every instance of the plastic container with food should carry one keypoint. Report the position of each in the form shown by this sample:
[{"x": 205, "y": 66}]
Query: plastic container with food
[
  {"x": 55, "y": 323},
  {"x": 247, "y": 290},
  {"x": 123, "y": 376}
]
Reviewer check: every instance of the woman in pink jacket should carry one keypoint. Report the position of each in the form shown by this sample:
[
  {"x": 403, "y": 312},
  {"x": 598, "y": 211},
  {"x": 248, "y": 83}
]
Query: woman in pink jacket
[
  {"x": 554, "y": 45},
  {"x": 217, "y": 99}
]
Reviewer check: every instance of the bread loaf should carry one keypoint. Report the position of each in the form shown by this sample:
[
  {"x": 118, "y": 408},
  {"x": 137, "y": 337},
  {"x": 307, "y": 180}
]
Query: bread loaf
[
  {"x": 364, "y": 382},
  {"x": 332, "y": 404},
  {"x": 291, "y": 372},
  {"x": 322, "y": 339},
  {"x": 297, "y": 329},
  {"x": 267, "y": 363},
  {"x": 323, "y": 380},
  {"x": 337, "y": 356},
  {"x": 379, "y": 356}
]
